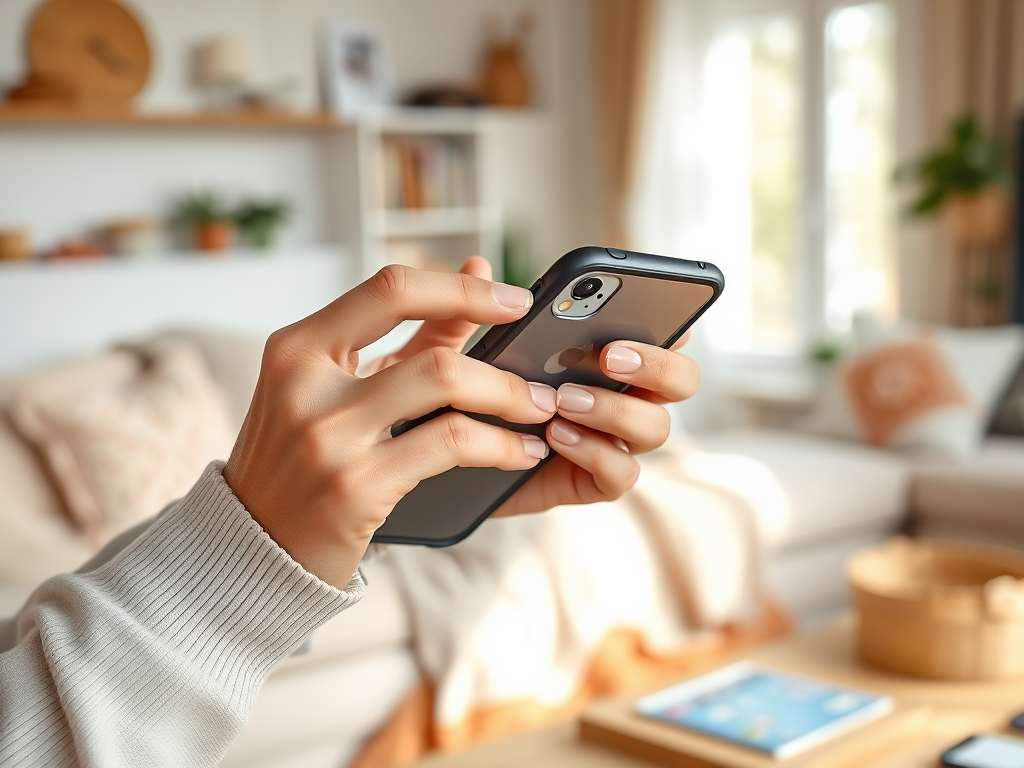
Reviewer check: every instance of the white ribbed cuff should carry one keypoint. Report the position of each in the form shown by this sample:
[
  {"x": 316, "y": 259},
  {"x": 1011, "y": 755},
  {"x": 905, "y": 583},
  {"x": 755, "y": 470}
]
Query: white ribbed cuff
[{"x": 207, "y": 580}]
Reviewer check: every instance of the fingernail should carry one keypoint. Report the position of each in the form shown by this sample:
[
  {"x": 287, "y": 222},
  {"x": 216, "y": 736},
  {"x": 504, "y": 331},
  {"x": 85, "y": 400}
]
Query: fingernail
[
  {"x": 535, "y": 447},
  {"x": 543, "y": 397},
  {"x": 571, "y": 398},
  {"x": 564, "y": 433},
  {"x": 622, "y": 360},
  {"x": 511, "y": 296}
]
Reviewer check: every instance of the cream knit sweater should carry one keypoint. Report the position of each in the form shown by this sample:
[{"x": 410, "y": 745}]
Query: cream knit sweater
[{"x": 155, "y": 656}]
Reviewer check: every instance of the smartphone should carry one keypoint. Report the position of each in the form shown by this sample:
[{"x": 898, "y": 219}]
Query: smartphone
[
  {"x": 985, "y": 752},
  {"x": 588, "y": 298}
]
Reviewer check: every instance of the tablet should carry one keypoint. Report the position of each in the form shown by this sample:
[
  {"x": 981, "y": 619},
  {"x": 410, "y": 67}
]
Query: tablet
[{"x": 778, "y": 713}]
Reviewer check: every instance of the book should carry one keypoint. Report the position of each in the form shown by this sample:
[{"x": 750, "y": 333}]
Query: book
[{"x": 777, "y": 713}]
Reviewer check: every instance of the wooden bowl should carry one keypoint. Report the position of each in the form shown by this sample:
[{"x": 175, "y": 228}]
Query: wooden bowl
[{"x": 940, "y": 610}]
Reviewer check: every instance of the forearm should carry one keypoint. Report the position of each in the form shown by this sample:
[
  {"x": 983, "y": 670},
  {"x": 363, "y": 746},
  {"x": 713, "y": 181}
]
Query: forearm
[{"x": 155, "y": 657}]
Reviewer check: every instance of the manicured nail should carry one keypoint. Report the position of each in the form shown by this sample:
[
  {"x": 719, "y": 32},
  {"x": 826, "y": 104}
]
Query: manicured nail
[
  {"x": 535, "y": 447},
  {"x": 511, "y": 296},
  {"x": 622, "y": 360},
  {"x": 572, "y": 398},
  {"x": 564, "y": 433},
  {"x": 543, "y": 397}
]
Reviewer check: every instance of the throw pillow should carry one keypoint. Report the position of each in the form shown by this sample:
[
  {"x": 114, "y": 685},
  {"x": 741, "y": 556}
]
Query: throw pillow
[
  {"x": 121, "y": 445},
  {"x": 924, "y": 390}
]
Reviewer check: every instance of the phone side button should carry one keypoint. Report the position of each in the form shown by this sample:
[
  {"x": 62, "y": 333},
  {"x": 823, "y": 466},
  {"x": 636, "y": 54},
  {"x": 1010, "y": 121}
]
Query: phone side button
[
  {"x": 615, "y": 253},
  {"x": 701, "y": 265}
]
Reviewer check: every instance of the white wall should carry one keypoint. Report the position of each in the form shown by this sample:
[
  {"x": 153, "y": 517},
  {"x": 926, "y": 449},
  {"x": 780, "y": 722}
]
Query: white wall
[{"x": 60, "y": 181}]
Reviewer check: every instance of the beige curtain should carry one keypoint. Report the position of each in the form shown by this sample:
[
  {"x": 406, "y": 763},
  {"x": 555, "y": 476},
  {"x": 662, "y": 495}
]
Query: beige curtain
[
  {"x": 623, "y": 31},
  {"x": 972, "y": 60}
]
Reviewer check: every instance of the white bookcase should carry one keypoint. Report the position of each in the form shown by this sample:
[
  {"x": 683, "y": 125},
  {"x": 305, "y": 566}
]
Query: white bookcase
[{"x": 416, "y": 187}]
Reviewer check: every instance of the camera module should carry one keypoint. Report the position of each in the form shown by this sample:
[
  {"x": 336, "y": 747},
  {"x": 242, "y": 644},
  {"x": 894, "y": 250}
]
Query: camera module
[{"x": 587, "y": 287}]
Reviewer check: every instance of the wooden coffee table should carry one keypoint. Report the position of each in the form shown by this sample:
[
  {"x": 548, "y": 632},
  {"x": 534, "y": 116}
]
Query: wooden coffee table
[{"x": 957, "y": 710}]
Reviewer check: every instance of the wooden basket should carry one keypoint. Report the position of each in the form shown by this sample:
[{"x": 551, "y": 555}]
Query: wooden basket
[{"x": 939, "y": 610}]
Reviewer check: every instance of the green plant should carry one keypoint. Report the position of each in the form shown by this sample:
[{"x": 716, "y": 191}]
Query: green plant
[
  {"x": 826, "y": 350},
  {"x": 199, "y": 209},
  {"x": 259, "y": 220},
  {"x": 967, "y": 163}
]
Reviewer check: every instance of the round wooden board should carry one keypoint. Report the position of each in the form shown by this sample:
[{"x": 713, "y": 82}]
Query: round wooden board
[{"x": 96, "y": 46}]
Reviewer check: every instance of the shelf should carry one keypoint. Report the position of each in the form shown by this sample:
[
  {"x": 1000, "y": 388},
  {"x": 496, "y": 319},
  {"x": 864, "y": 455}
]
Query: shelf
[
  {"x": 173, "y": 259},
  {"x": 240, "y": 120},
  {"x": 425, "y": 222}
]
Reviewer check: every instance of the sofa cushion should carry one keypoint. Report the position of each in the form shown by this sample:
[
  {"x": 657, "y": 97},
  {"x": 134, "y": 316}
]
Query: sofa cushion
[
  {"x": 987, "y": 489},
  {"x": 37, "y": 538},
  {"x": 832, "y": 487},
  {"x": 123, "y": 433}
]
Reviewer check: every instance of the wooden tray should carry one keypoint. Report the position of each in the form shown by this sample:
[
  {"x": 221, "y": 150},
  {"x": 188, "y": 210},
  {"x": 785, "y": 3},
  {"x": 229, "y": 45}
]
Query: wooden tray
[{"x": 613, "y": 723}]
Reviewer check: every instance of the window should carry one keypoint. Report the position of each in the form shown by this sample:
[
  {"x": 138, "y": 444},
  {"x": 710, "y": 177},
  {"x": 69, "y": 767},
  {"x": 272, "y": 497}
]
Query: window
[
  {"x": 797, "y": 133},
  {"x": 860, "y": 154}
]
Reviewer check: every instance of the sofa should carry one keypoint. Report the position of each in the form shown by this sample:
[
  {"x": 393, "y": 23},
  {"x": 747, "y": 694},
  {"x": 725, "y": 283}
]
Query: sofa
[{"x": 834, "y": 498}]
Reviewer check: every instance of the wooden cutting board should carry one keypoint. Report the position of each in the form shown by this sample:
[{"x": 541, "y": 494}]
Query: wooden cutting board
[{"x": 96, "y": 48}]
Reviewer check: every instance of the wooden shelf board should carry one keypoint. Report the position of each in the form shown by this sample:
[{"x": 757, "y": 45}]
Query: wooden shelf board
[{"x": 244, "y": 119}]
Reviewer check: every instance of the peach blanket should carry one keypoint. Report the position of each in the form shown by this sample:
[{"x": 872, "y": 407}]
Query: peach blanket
[{"x": 526, "y": 609}]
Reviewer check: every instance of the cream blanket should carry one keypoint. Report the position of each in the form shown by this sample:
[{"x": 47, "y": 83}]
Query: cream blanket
[{"x": 516, "y": 611}]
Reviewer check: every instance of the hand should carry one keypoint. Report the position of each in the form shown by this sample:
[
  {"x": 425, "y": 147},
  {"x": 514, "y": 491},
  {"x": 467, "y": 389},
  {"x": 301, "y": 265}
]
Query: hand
[
  {"x": 598, "y": 432},
  {"x": 314, "y": 462},
  {"x": 595, "y": 424}
]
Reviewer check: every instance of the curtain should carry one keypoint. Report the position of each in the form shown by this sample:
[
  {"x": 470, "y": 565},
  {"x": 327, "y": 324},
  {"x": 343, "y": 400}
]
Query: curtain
[
  {"x": 972, "y": 61},
  {"x": 623, "y": 31}
]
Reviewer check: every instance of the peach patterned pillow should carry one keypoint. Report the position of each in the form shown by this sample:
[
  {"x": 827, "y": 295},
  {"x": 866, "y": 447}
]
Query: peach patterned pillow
[
  {"x": 892, "y": 387},
  {"x": 920, "y": 389},
  {"x": 121, "y": 444}
]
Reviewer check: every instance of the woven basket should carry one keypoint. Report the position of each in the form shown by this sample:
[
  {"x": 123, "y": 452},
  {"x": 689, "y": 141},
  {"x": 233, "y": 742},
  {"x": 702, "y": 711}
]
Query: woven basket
[{"x": 940, "y": 611}]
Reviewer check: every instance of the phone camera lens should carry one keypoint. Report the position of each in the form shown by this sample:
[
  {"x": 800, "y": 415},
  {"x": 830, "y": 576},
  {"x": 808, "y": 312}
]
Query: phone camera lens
[{"x": 586, "y": 288}]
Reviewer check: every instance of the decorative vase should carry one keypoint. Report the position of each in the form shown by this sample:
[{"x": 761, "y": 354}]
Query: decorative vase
[{"x": 505, "y": 81}]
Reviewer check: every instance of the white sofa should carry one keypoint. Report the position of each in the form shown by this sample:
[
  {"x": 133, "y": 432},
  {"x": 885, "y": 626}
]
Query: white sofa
[{"x": 319, "y": 707}]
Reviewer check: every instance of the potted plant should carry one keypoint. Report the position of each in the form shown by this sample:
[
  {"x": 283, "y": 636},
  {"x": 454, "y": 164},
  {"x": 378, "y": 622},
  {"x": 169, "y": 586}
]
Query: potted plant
[
  {"x": 967, "y": 179},
  {"x": 208, "y": 218},
  {"x": 259, "y": 220}
]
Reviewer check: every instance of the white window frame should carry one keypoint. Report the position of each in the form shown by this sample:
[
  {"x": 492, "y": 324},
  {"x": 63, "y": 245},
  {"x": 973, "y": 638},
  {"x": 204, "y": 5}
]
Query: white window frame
[{"x": 708, "y": 15}]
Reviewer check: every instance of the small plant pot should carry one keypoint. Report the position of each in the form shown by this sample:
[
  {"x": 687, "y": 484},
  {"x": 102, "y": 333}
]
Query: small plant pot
[
  {"x": 980, "y": 219},
  {"x": 215, "y": 237}
]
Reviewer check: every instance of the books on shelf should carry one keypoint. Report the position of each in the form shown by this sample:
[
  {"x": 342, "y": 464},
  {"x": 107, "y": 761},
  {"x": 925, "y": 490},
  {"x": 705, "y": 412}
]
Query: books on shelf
[{"x": 427, "y": 172}]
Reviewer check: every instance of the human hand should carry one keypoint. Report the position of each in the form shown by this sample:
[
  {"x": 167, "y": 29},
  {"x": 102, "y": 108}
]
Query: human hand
[
  {"x": 595, "y": 424},
  {"x": 314, "y": 462},
  {"x": 598, "y": 432}
]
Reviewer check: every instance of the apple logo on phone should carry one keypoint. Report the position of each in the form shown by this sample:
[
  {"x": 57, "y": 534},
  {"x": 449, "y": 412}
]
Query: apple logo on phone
[{"x": 567, "y": 358}]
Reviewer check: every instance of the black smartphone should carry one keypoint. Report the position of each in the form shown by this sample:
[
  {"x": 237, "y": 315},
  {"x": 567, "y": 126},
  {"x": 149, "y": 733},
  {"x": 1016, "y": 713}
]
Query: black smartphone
[
  {"x": 589, "y": 297},
  {"x": 985, "y": 752}
]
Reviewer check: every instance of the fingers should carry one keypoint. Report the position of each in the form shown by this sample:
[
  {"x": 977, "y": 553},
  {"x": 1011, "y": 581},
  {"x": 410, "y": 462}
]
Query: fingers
[
  {"x": 398, "y": 293},
  {"x": 611, "y": 470},
  {"x": 667, "y": 375},
  {"x": 456, "y": 440},
  {"x": 642, "y": 425},
  {"x": 439, "y": 377},
  {"x": 452, "y": 333}
]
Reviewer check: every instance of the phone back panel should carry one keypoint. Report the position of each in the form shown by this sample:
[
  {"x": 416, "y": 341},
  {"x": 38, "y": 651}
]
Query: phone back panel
[{"x": 650, "y": 308}]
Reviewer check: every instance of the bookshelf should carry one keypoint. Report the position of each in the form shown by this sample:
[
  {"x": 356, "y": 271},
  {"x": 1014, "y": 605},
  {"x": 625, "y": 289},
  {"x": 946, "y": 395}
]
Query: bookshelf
[{"x": 424, "y": 191}]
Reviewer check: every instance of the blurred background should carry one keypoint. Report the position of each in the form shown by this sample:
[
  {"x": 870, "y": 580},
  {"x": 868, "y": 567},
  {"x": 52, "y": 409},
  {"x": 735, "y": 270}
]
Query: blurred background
[{"x": 185, "y": 176}]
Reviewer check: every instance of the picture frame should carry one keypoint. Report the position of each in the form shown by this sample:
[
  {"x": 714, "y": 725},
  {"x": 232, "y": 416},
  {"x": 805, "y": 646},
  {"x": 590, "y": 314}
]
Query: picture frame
[{"x": 355, "y": 69}]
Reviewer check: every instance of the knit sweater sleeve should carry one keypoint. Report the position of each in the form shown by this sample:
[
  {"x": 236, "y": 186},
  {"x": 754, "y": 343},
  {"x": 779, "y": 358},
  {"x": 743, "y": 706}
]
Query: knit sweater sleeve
[{"x": 156, "y": 656}]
